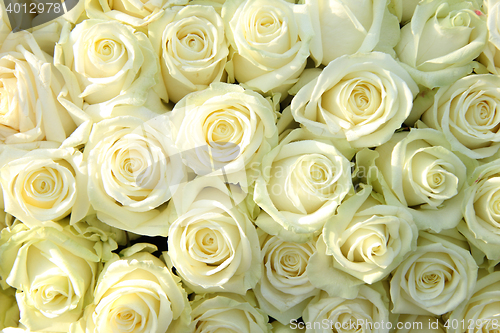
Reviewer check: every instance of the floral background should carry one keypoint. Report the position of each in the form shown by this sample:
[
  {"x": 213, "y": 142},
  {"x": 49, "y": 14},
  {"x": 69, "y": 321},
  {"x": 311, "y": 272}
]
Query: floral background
[{"x": 251, "y": 166}]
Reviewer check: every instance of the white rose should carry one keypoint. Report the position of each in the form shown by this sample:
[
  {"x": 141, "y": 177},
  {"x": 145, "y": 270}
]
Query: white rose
[
  {"x": 356, "y": 314},
  {"x": 365, "y": 239},
  {"x": 29, "y": 89},
  {"x": 133, "y": 171},
  {"x": 441, "y": 41},
  {"x": 417, "y": 324},
  {"x": 135, "y": 13},
  {"x": 53, "y": 270},
  {"x": 44, "y": 184},
  {"x": 213, "y": 244},
  {"x": 223, "y": 126},
  {"x": 106, "y": 63},
  {"x": 228, "y": 313},
  {"x": 356, "y": 26},
  {"x": 467, "y": 113},
  {"x": 284, "y": 289},
  {"x": 270, "y": 43},
  {"x": 9, "y": 311},
  {"x": 481, "y": 313},
  {"x": 481, "y": 210},
  {"x": 192, "y": 49},
  {"x": 418, "y": 170},
  {"x": 491, "y": 53},
  {"x": 435, "y": 279},
  {"x": 136, "y": 293},
  {"x": 363, "y": 98},
  {"x": 300, "y": 185}
]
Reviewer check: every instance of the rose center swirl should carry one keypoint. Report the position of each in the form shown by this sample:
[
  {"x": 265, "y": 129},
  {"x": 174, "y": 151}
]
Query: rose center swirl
[
  {"x": 125, "y": 319},
  {"x": 107, "y": 49},
  {"x": 208, "y": 245}
]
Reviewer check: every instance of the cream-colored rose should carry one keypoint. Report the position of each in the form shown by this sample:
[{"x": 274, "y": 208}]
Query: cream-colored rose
[
  {"x": 106, "y": 63},
  {"x": 223, "y": 126},
  {"x": 365, "y": 239},
  {"x": 468, "y": 113},
  {"x": 300, "y": 185},
  {"x": 284, "y": 289},
  {"x": 355, "y": 26},
  {"x": 30, "y": 86},
  {"x": 363, "y": 98},
  {"x": 9, "y": 311},
  {"x": 491, "y": 53},
  {"x": 441, "y": 41},
  {"x": 53, "y": 270},
  {"x": 436, "y": 278},
  {"x": 212, "y": 243},
  {"x": 133, "y": 170},
  {"x": 418, "y": 324},
  {"x": 481, "y": 313},
  {"x": 418, "y": 170},
  {"x": 269, "y": 43},
  {"x": 135, "y": 13},
  {"x": 137, "y": 293},
  {"x": 192, "y": 48},
  {"x": 44, "y": 184},
  {"x": 369, "y": 308},
  {"x": 481, "y": 210},
  {"x": 228, "y": 313}
]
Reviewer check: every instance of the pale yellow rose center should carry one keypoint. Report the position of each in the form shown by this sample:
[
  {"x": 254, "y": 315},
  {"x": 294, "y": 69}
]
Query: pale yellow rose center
[
  {"x": 224, "y": 126},
  {"x": 134, "y": 166},
  {"x": 125, "y": 319},
  {"x": 431, "y": 278},
  {"x": 46, "y": 187},
  {"x": 191, "y": 41},
  {"x": 285, "y": 265},
  {"x": 430, "y": 179},
  {"x": 105, "y": 57},
  {"x": 302, "y": 184},
  {"x": 354, "y": 100},
  {"x": 52, "y": 292},
  {"x": 316, "y": 173},
  {"x": 209, "y": 246},
  {"x": 482, "y": 115},
  {"x": 292, "y": 262},
  {"x": 194, "y": 42},
  {"x": 267, "y": 24},
  {"x": 460, "y": 19},
  {"x": 269, "y": 28},
  {"x": 107, "y": 49},
  {"x": 374, "y": 240}
]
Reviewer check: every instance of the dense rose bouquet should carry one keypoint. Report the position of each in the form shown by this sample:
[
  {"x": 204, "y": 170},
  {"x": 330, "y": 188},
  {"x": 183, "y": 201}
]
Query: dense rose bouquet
[{"x": 250, "y": 166}]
